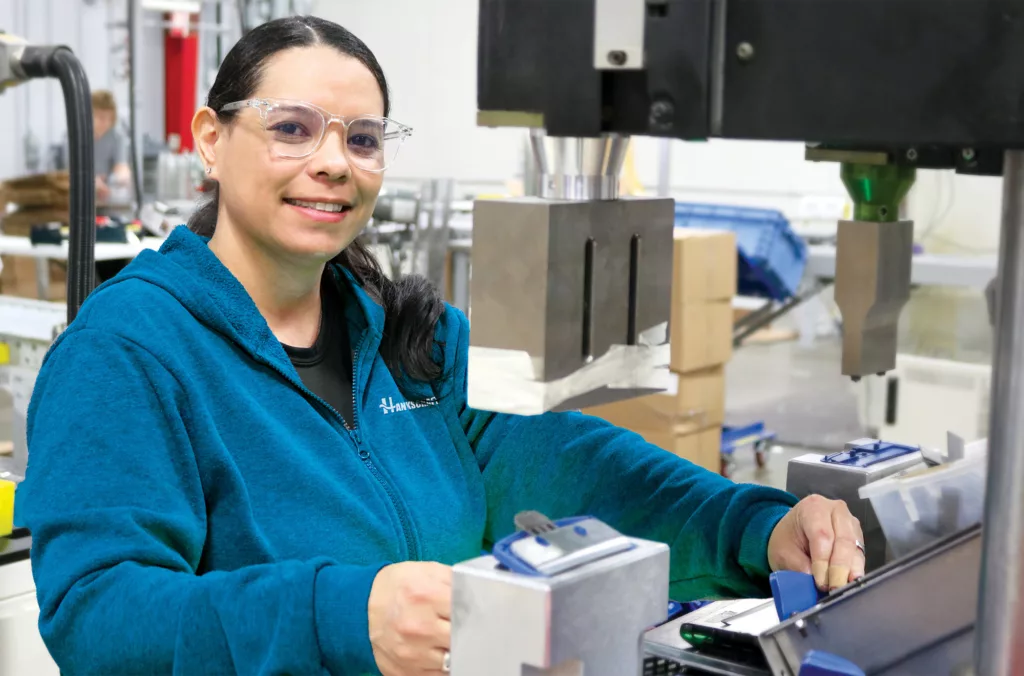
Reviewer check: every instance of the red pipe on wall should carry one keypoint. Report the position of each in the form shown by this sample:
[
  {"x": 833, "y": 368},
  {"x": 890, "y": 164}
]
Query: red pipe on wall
[{"x": 181, "y": 71}]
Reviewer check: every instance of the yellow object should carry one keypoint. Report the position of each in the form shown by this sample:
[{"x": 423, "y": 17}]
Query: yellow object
[
  {"x": 5, "y": 354},
  {"x": 6, "y": 508}
]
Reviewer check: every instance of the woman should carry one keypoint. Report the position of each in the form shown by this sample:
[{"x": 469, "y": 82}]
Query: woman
[{"x": 249, "y": 447}]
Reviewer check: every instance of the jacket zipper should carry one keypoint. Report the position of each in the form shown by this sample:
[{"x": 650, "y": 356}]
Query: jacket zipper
[
  {"x": 361, "y": 450},
  {"x": 364, "y": 455}
]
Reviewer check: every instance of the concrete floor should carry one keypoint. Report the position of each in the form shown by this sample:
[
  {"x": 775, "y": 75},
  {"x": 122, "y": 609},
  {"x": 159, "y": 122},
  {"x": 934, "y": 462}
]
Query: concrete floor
[{"x": 799, "y": 394}]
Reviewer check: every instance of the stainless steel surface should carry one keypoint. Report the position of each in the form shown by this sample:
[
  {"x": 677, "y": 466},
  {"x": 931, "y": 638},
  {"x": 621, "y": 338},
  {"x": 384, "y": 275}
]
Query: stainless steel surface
[
  {"x": 952, "y": 657},
  {"x": 974, "y": 272},
  {"x": 578, "y": 168},
  {"x": 808, "y": 475},
  {"x": 999, "y": 648},
  {"x": 872, "y": 286},
  {"x": 529, "y": 273},
  {"x": 907, "y": 608},
  {"x": 619, "y": 34},
  {"x": 589, "y": 620}
]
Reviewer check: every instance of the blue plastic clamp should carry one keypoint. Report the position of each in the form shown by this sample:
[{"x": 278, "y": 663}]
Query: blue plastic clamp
[
  {"x": 793, "y": 593},
  {"x": 507, "y": 558},
  {"x": 870, "y": 454},
  {"x": 819, "y": 663}
]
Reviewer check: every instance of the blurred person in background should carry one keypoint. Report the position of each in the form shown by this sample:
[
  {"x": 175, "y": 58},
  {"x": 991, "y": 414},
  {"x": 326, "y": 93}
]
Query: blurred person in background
[{"x": 111, "y": 150}]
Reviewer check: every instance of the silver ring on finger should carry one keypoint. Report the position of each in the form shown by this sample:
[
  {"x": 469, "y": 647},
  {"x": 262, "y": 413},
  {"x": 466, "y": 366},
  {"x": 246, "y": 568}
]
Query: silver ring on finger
[
  {"x": 446, "y": 662},
  {"x": 859, "y": 545}
]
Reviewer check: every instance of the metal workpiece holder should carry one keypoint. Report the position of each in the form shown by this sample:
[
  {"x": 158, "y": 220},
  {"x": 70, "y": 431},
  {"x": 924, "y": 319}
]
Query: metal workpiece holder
[
  {"x": 1000, "y": 624},
  {"x": 578, "y": 169}
]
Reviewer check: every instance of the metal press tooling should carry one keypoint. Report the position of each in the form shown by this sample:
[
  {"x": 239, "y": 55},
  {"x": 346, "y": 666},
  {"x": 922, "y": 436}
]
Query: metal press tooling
[{"x": 916, "y": 84}]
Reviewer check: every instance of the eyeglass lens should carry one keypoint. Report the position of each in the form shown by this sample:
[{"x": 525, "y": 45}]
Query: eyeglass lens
[{"x": 295, "y": 131}]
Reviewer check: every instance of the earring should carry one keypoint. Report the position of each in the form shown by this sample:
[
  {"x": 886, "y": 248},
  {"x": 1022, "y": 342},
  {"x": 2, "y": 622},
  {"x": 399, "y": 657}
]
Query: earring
[{"x": 209, "y": 170}]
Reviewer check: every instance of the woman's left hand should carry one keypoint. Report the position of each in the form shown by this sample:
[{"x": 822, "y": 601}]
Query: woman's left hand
[{"x": 820, "y": 537}]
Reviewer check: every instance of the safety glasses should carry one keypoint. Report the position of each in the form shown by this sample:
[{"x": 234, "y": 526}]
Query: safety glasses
[{"x": 296, "y": 129}]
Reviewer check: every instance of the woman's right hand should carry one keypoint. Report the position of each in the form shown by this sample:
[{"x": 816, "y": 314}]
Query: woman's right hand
[{"x": 410, "y": 611}]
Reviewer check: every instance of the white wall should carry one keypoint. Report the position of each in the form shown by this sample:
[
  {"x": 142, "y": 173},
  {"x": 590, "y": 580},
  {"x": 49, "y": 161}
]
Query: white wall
[
  {"x": 428, "y": 51},
  {"x": 956, "y": 214},
  {"x": 36, "y": 109}
]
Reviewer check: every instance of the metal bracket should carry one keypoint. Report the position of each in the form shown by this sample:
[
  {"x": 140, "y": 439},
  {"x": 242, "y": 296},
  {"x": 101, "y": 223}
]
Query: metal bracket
[{"x": 619, "y": 27}]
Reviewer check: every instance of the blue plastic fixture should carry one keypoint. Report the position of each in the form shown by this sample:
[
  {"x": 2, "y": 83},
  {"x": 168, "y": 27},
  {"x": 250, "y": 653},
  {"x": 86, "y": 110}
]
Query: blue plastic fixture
[
  {"x": 772, "y": 257},
  {"x": 870, "y": 454},
  {"x": 819, "y": 663},
  {"x": 793, "y": 593}
]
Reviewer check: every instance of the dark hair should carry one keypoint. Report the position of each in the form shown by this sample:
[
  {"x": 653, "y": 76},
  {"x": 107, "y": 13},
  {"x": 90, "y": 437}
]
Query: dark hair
[{"x": 412, "y": 306}]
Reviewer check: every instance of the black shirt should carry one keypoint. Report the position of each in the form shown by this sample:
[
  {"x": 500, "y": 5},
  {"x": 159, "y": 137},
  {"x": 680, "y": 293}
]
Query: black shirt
[{"x": 326, "y": 368}]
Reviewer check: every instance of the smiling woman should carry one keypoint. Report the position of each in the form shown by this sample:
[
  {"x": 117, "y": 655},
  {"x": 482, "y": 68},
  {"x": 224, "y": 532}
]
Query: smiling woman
[
  {"x": 295, "y": 137},
  {"x": 298, "y": 465}
]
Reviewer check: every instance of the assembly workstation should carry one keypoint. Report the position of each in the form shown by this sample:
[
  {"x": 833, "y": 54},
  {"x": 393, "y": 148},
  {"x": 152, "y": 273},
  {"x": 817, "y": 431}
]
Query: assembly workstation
[{"x": 579, "y": 317}]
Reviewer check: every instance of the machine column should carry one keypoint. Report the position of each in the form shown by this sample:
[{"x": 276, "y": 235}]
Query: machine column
[{"x": 998, "y": 646}]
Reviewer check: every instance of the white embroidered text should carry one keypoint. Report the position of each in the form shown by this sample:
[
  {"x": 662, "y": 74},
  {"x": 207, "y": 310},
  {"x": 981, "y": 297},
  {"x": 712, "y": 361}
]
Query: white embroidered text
[{"x": 389, "y": 406}]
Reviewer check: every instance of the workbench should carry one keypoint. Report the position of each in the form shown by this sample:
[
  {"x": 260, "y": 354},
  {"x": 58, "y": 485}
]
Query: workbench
[{"x": 11, "y": 245}]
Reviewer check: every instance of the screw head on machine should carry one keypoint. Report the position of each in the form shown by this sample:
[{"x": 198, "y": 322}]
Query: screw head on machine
[
  {"x": 745, "y": 51},
  {"x": 617, "y": 57}
]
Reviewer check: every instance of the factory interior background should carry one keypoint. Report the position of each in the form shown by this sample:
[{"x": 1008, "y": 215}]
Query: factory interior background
[{"x": 786, "y": 374}]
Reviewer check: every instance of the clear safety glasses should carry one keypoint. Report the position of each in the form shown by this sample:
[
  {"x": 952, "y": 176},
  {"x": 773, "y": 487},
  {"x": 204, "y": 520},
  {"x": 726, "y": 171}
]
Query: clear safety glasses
[{"x": 296, "y": 129}]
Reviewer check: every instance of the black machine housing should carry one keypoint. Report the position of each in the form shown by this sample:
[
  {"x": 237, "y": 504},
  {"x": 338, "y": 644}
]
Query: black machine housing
[{"x": 935, "y": 83}]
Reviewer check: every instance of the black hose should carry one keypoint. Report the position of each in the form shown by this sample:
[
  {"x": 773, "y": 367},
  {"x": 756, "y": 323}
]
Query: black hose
[
  {"x": 132, "y": 123},
  {"x": 61, "y": 63}
]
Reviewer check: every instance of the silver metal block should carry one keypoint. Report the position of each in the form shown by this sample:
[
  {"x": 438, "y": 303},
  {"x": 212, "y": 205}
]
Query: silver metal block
[
  {"x": 561, "y": 289},
  {"x": 808, "y": 475},
  {"x": 588, "y": 621},
  {"x": 873, "y": 262}
]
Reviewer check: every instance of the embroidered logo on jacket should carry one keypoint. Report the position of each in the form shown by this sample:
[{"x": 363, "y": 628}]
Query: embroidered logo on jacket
[{"x": 389, "y": 406}]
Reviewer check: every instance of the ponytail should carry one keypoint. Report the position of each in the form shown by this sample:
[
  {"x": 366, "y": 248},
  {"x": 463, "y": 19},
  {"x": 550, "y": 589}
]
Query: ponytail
[{"x": 412, "y": 305}]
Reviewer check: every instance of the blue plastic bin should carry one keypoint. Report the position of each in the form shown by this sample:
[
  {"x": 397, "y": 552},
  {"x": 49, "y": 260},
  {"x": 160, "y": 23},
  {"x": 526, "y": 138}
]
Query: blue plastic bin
[{"x": 772, "y": 257}]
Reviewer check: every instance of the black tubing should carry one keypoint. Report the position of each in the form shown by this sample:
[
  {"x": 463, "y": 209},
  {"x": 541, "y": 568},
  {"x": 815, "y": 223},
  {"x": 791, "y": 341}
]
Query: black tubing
[{"x": 61, "y": 63}]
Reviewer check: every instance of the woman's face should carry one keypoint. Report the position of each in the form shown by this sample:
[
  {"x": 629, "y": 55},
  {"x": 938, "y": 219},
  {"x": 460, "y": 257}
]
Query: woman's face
[{"x": 257, "y": 188}]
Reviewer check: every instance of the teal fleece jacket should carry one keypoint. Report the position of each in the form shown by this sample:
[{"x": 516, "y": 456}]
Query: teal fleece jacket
[{"x": 196, "y": 510}]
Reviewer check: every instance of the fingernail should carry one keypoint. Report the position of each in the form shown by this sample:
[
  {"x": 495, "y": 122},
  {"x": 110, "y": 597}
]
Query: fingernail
[{"x": 820, "y": 571}]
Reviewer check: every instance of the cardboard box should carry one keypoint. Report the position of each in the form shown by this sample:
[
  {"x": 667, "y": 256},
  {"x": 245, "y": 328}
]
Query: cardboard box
[
  {"x": 37, "y": 190},
  {"x": 703, "y": 448},
  {"x": 19, "y": 278},
  {"x": 704, "y": 266},
  {"x": 701, "y": 336},
  {"x": 698, "y": 401}
]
